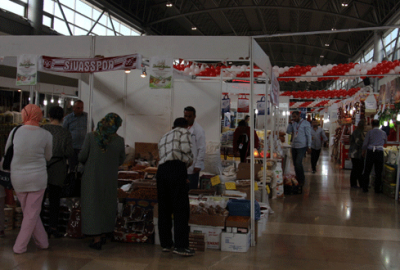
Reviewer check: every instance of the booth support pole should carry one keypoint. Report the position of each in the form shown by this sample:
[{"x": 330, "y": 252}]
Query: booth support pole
[
  {"x": 37, "y": 98},
  {"x": 45, "y": 107},
  {"x": 125, "y": 100},
  {"x": 264, "y": 190},
  {"x": 397, "y": 180},
  {"x": 20, "y": 101},
  {"x": 30, "y": 94},
  {"x": 252, "y": 216},
  {"x": 171, "y": 113},
  {"x": 91, "y": 82}
]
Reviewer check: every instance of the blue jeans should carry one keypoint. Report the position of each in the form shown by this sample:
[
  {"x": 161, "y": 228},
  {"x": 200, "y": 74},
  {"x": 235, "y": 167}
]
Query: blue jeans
[
  {"x": 298, "y": 155},
  {"x": 194, "y": 180}
]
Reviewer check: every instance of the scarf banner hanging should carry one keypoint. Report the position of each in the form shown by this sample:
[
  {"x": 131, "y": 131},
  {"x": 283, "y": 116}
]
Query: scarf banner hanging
[
  {"x": 261, "y": 106},
  {"x": 275, "y": 88},
  {"x": 90, "y": 65},
  {"x": 226, "y": 104},
  {"x": 27, "y": 69}
]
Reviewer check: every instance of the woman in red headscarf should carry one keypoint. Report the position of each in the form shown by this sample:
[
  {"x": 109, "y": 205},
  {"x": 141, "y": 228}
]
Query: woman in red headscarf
[{"x": 32, "y": 147}]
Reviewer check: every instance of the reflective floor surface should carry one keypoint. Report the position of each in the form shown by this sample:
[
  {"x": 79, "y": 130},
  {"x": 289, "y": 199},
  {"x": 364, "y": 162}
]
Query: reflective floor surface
[{"x": 329, "y": 226}]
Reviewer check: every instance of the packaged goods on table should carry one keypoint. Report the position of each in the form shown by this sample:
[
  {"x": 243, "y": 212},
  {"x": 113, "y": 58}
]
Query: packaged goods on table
[
  {"x": 136, "y": 223},
  {"x": 209, "y": 213},
  {"x": 242, "y": 208},
  {"x": 130, "y": 175}
]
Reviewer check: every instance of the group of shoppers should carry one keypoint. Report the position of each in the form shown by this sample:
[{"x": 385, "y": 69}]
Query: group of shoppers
[
  {"x": 305, "y": 139},
  {"x": 366, "y": 152},
  {"x": 39, "y": 167}
]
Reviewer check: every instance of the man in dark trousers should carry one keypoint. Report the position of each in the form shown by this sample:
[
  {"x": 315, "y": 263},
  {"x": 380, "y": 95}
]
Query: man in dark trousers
[
  {"x": 373, "y": 153},
  {"x": 301, "y": 143},
  {"x": 175, "y": 149}
]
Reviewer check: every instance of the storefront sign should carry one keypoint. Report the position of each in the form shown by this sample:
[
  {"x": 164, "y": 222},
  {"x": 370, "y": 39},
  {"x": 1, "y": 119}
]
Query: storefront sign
[
  {"x": 160, "y": 73},
  {"x": 27, "y": 69},
  {"x": 90, "y": 65}
]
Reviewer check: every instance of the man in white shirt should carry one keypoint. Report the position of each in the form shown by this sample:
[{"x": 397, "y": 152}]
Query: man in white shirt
[
  {"x": 198, "y": 147},
  {"x": 176, "y": 156}
]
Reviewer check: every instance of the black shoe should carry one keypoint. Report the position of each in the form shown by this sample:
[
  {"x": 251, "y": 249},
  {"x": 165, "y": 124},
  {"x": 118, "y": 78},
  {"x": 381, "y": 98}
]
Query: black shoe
[
  {"x": 354, "y": 186},
  {"x": 184, "y": 252},
  {"x": 96, "y": 245}
]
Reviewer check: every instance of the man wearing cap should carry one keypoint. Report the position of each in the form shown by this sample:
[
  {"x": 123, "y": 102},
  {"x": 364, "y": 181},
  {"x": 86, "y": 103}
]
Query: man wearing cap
[
  {"x": 175, "y": 150},
  {"x": 373, "y": 153},
  {"x": 301, "y": 143}
]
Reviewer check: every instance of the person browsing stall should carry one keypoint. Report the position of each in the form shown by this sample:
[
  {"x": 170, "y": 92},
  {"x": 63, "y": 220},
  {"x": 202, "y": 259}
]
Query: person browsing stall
[
  {"x": 198, "y": 146},
  {"x": 301, "y": 143},
  {"x": 241, "y": 141},
  {"x": 57, "y": 166},
  {"x": 76, "y": 123},
  {"x": 102, "y": 153},
  {"x": 373, "y": 153},
  {"x": 355, "y": 152},
  {"x": 175, "y": 150},
  {"x": 318, "y": 137}
]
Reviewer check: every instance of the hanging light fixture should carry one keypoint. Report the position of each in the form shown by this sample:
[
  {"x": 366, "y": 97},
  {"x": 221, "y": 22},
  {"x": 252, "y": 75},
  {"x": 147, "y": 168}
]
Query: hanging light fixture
[
  {"x": 385, "y": 123},
  {"x": 256, "y": 111},
  {"x": 52, "y": 99},
  {"x": 59, "y": 101},
  {"x": 169, "y": 4},
  {"x": 72, "y": 102},
  {"x": 127, "y": 71},
  {"x": 398, "y": 117},
  {"x": 45, "y": 102},
  {"x": 144, "y": 73}
]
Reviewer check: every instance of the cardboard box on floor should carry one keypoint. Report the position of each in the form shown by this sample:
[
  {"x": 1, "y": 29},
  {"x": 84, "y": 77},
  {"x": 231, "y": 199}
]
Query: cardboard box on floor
[
  {"x": 235, "y": 242},
  {"x": 244, "y": 171}
]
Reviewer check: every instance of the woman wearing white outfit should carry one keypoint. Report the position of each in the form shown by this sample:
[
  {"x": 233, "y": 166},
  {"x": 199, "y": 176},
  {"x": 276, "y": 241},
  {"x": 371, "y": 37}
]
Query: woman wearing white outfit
[{"x": 32, "y": 147}]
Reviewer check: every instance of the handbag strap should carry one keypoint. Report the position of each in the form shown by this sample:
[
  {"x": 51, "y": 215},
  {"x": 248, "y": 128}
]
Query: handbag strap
[
  {"x": 12, "y": 138},
  {"x": 57, "y": 159}
]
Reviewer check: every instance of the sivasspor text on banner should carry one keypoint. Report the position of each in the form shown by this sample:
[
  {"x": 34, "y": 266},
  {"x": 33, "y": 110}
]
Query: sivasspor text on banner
[{"x": 90, "y": 65}]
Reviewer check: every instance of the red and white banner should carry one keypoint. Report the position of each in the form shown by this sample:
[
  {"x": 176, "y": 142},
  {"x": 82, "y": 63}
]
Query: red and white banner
[{"x": 90, "y": 65}]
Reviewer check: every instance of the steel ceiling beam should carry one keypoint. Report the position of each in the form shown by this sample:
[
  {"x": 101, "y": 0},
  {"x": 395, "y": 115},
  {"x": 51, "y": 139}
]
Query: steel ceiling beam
[
  {"x": 264, "y": 7},
  {"x": 304, "y": 45},
  {"x": 330, "y": 31}
]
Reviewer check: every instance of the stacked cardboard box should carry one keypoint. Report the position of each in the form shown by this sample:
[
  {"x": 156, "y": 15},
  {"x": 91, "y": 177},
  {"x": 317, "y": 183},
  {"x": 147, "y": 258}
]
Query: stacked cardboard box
[{"x": 197, "y": 241}]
